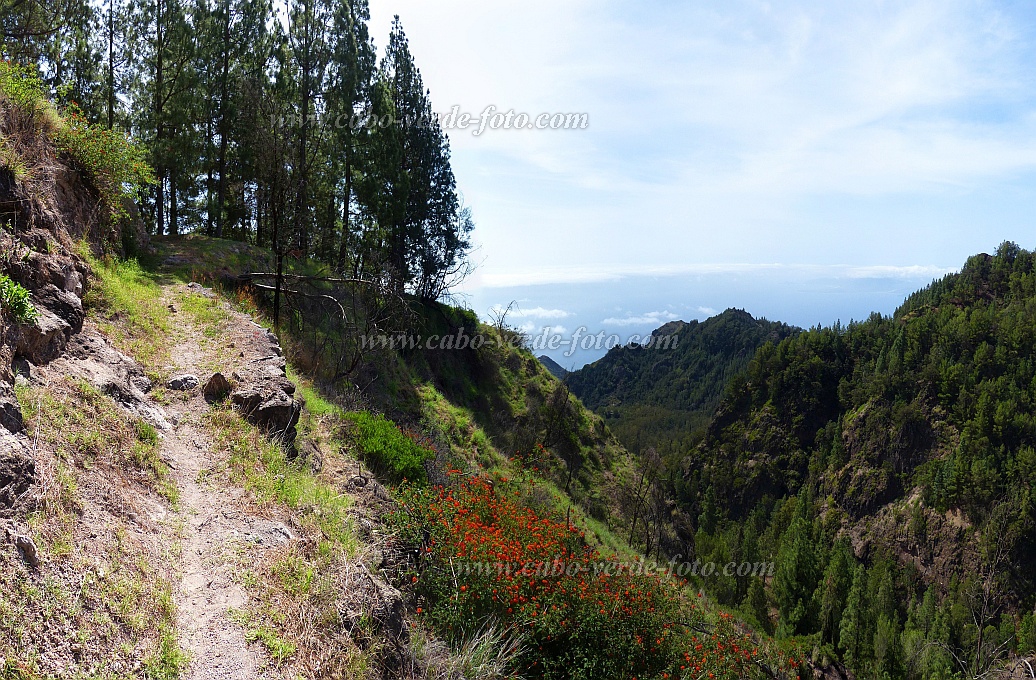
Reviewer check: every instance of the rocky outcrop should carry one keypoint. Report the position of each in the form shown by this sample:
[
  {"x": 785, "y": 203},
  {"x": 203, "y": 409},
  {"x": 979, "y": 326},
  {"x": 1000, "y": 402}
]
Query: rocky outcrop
[
  {"x": 268, "y": 403},
  {"x": 264, "y": 394},
  {"x": 91, "y": 357},
  {"x": 44, "y": 220},
  {"x": 17, "y": 472}
]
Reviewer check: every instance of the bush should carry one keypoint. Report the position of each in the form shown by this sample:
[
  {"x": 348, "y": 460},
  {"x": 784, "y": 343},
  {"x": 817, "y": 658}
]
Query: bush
[
  {"x": 387, "y": 448},
  {"x": 14, "y": 300},
  {"x": 113, "y": 163},
  {"x": 488, "y": 559}
]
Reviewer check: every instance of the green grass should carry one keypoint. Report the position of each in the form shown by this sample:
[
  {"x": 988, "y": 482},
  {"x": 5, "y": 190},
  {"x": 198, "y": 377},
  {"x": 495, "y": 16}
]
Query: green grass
[
  {"x": 88, "y": 428},
  {"x": 280, "y": 650},
  {"x": 168, "y": 661},
  {"x": 262, "y": 467},
  {"x": 127, "y": 302},
  {"x": 208, "y": 313}
]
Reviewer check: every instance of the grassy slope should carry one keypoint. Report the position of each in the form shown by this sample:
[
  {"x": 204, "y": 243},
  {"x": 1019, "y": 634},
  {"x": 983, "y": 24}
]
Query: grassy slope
[{"x": 101, "y": 604}]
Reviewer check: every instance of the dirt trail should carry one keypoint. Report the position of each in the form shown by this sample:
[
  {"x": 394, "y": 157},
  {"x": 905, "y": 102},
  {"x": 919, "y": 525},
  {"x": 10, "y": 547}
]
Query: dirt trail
[{"x": 212, "y": 527}]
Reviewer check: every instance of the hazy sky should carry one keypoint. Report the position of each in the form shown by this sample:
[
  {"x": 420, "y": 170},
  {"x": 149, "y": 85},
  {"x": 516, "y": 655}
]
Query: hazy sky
[{"x": 860, "y": 147}]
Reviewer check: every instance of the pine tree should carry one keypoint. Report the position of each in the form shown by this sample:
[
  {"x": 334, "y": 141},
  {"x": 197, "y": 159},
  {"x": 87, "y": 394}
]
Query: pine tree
[
  {"x": 796, "y": 578},
  {"x": 853, "y": 626},
  {"x": 351, "y": 77},
  {"x": 410, "y": 187},
  {"x": 756, "y": 605},
  {"x": 308, "y": 35},
  {"x": 834, "y": 590}
]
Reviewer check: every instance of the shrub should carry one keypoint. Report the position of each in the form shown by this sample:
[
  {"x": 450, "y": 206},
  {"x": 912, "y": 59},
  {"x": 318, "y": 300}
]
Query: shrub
[
  {"x": 14, "y": 300},
  {"x": 113, "y": 163},
  {"x": 386, "y": 447},
  {"x": 486, "y": 559}
]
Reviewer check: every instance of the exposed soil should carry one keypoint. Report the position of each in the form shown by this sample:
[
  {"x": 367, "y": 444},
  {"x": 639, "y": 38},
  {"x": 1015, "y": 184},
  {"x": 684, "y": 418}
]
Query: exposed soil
[{"x": 214, "y": 528}]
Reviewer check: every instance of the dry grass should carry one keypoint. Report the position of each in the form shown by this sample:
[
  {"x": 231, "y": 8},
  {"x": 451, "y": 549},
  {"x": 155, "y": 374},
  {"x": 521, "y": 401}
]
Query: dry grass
[
  {"x": 28, "y": 150},
  {"x": 97, "y": 606}
]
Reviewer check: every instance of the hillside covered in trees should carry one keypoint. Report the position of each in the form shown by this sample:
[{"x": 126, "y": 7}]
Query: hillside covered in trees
[
  {"x": 661, "y": 395},
  {"x": 888, "y": 466},
  {"x": 263, "y": 122}
]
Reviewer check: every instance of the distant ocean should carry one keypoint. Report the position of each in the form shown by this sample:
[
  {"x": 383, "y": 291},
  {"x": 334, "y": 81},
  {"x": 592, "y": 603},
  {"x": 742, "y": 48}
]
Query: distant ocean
[{"x": 635, "y": 305}]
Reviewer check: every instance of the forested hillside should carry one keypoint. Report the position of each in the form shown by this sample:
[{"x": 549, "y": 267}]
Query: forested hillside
[
  {"x": 889, "y": 463},
  {"x": 661, "y": 395},
  {"x": 264, "y": 122}
]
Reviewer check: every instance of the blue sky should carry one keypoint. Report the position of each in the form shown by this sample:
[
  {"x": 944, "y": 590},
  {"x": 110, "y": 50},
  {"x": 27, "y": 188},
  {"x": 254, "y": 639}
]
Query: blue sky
[{"x": 805, "y": 161}]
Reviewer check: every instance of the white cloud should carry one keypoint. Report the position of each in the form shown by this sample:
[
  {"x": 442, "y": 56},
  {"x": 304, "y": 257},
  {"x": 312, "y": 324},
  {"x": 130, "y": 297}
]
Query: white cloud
[
  {"x": 603, "y": 273},
  {"x": 533, "y": 313},
  {"x": 708, "y": 311},
  {"x": 804, "y": 131},
  {"x": 650, "y": 318}
]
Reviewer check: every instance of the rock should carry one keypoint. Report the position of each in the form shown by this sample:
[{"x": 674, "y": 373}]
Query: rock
[
  {"x": 17, "y": 470},
  {"x": 196, "y": 287},
  {"x": 44, "y": 338},
  {"x": 217, "y": 387},
  {"x": 390, "y": 613},
  {"x": 141, "y": 382},
  {"x": 28, "y": 549},
  {"x": 23, "y": 368},
  {"x": 311, "y": 453},
  {"x": 94, "y": 359},
  {"x": 66, "y": 305},
  {"x": 10, "y": 413},
  {"x": 269, "y": 407},
  {"x": 183, "y": 383}
]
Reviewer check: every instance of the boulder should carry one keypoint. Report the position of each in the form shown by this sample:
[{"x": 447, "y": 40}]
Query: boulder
[
  {"x": 268, "y": 406},
  {"x": 217, "y": 387},
  {"x": 184, "y": 383},
  {"x": 93, "y": 358},
  {"x": 311, "y": 453},
  {"x": 43, "y": 339}
]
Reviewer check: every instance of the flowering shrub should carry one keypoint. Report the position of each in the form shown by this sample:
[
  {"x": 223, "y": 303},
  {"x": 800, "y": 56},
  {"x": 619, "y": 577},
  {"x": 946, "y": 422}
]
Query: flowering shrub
[{"x": 482, "y": 556}]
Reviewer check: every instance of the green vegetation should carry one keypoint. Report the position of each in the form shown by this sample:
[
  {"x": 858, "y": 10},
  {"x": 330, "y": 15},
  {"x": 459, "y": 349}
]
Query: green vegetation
[
  {"x": 127, "y": 302},
  {"x": 387, "y": 448},
  {"x": 113, "y": 164},
  {"x": 202, "y": 89},
  {"x": 263, "y": 468},
  {"x": 101, "y": 593},
  {"x": 568, "y": 611},
  {"x": 14, "y": 301},
  {"x": 88, "y": 428},
  {"x": 927, "y": 414},
  {"x": 662, "y": 396}
]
